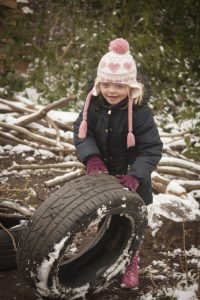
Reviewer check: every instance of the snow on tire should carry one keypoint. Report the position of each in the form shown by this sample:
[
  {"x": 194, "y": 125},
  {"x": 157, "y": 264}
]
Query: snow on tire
[{"x": 81, "y": 237}]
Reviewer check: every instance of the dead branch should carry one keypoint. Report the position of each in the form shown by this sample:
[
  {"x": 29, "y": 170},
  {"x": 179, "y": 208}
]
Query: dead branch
[
  {"x": 9, "y": 138},
  {"x": 12, "y": 206},
  {"x": 175, "y": 154},
  {"x": 24, "y": 100},
  {"x": 64, "y": 136},
  {"x": 165, "y": 134},
  {"x": 69, "y": 164},
  {"x": 36, "y": 137},
  {"x": 189, "y": 185},
  {"x": 171, "y": 161},
  {"x": 178, "y": 172},
  {"x": 53, "y": 125},
  {"x": 62, "y": 125},
  {"x": 15, "y": 107},
  {"x": 10, "y": 234},
  {"x": 67, "y": 177},
  {"x": 43, "y": 112},
  {"x": 158, "y": 178}
]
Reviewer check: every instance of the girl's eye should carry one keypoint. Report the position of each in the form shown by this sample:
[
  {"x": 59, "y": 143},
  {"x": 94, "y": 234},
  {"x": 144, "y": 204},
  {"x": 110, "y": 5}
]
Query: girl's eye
[{"x": 105, "y": 85}]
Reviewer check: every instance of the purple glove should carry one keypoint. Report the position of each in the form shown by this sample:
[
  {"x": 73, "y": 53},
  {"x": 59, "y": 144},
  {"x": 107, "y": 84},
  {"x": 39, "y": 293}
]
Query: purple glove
[
  {"x": 95, "y": 165},
  {"x": 130, "y": 182}
]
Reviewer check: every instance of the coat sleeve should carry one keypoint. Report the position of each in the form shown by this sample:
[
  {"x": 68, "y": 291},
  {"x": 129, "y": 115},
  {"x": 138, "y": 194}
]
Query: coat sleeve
[
  {"x": 85, "y": 147},
  {"x": 148, "y": 144}
]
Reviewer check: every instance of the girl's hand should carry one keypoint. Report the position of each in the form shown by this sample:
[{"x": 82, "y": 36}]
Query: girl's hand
[
  {"x": 130, "y": 182},
  {"x": 95, "y": 165}
]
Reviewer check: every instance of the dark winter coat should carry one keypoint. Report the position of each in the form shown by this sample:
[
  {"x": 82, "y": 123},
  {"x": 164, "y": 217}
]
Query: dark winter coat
[{"x": 107, "y": 137}]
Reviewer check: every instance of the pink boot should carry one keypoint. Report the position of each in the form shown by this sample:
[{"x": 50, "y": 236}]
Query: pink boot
[{"x": 130, "y": 277}]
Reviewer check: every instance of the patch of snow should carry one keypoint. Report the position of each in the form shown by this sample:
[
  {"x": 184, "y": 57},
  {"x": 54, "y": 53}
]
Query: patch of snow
[
  {"x": 20, "y": 148},
  {"x": 102, "y": 210},
  {"x": 45, "y": 268},
  {"x": 27, "y": 10},
  {"x": 8, "y": 147},
  {"x": 23, "y": 1},
  {"x": 173, "y": 186},
  {"x": 63, "y": 116},
  {"x": 32, "y": 93},
  {"x": 173, "y": 208},
  {"x": 1, "y": 150},
  {"x": 45, "y": 154},
  {"x": 189, "y": 293},
  {"x": 29, "y": 159}
]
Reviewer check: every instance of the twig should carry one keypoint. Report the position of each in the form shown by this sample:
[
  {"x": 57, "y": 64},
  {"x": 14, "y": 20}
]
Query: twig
[
  {"x": 184, "y": 250},
  {"x": 43, "y": 112},
  {"x": 67, "y": 177},
  {"x": 10, "y": 234},
  {"x": 69, "y": 164},
  {"x": 36, "y": 137}
]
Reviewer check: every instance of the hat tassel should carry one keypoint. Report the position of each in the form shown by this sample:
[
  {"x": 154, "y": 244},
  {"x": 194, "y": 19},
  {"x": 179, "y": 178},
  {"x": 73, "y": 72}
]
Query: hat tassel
[
  {"x": 82, "y": 130},
  {"x": 130, "y": 135},
  {"x": 83, "y": 126},
  {"x": 130, "y": 140}
]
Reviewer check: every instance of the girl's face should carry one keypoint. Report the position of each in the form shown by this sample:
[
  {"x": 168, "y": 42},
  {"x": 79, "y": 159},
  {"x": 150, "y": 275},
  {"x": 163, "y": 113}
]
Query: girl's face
[{"x": 114, "y": 92}]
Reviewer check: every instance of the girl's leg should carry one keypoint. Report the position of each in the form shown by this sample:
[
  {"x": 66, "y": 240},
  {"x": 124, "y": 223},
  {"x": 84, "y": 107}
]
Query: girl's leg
[{"x": 130, "y": 278}]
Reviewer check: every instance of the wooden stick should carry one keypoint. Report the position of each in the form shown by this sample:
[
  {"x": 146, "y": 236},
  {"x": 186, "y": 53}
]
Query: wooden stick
[
  {"x": 43, "y": 112},
  {"x": 69, "y": 164},
  {"x": 10, "y": 234},
  {"x": 67, "y": 177},
  {"x": 166, "y": 134},
  {"x": 177, "y": 172},
  {"x": 36, "y": 137},
  {"x": 14, "y": 207},
  {"x": 170, "y": 161},
  {"x": 13, "y": 105}
]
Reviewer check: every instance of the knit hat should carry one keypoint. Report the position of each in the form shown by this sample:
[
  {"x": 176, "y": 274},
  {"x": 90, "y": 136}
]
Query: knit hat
[{"x": 117, "y": 66}]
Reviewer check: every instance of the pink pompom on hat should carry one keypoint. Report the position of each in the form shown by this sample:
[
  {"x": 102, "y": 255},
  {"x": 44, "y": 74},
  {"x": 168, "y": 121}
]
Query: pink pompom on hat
[{"x": 117, "y": 66}]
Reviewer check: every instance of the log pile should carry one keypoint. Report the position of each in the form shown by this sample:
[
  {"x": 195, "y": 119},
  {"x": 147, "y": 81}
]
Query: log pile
[
  {"x": 175, "y": 173},
  {"x": 22, "y": 121}
]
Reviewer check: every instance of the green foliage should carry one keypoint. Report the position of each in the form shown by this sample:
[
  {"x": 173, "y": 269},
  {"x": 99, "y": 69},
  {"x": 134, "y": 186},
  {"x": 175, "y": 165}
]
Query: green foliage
[
  {"x": 63, "y": 41},
  {"x": 163, "y": 297}
]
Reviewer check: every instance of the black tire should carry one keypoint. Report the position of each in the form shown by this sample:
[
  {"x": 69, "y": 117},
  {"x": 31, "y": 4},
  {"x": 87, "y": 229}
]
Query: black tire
[
  {"x": 79, "y": 206},
  {"x": 7, "y": 249}
]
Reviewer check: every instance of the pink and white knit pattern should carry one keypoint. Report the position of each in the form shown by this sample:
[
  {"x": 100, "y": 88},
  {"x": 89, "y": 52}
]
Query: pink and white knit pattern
[{"x": 118, "y": 64}]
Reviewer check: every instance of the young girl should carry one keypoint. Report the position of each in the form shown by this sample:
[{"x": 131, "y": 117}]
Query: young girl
[{"x": 116, "y": 133}]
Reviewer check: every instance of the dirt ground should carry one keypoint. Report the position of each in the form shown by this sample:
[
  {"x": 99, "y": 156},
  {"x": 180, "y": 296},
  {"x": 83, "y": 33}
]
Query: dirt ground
[{"x": 20, "y": 185}]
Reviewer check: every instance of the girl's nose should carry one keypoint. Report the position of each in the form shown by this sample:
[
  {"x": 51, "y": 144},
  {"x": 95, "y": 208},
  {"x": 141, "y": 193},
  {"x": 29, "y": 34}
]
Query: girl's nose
[{"x": 111, "y": 89}]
